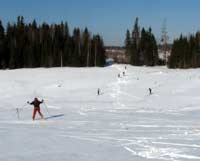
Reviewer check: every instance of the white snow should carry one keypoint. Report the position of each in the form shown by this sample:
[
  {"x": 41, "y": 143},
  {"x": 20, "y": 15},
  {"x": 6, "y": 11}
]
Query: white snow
[{"x": 123, "y": 123}]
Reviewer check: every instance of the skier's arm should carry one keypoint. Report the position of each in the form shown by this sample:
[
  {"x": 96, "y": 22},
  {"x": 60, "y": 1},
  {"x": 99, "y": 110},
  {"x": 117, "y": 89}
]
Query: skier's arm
[
  {"x": 30, "y": 103},
  {"x": 41, "y": 101}
]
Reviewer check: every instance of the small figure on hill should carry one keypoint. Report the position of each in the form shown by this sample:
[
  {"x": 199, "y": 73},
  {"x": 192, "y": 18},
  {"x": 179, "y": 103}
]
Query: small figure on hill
[
  {"x": 36, "y": 103},
  {"x": 123, "y": 73},
  {"x": 98, "y": 91},
  {"x": 119, "y": 76},
  {"x": 125, "y": 67},
  {"x": 150, "y": 91}
]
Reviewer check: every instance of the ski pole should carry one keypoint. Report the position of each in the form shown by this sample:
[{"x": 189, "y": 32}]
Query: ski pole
[
  {"x": 17, "y": 109},
  {"x": 46, "y": 108},
  {"x": 23, "y": 105}
]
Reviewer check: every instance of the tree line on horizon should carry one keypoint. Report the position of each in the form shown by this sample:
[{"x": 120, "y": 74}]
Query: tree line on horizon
[
  {"x": 185, "y": 52},
  {"x": 30, "y": 45},
  {"x": 141, "y": 47}
]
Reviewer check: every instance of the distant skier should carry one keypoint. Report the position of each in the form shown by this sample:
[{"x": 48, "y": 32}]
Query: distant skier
[
  {"x": 123, "y": 73},
  {"x": 98, "y": 91},
  {"x": 150, "y": 91},
  {"x": 125, "y": 67},
  {"x": 36, "y": 103},
  {"x": 119, "y": 76}
]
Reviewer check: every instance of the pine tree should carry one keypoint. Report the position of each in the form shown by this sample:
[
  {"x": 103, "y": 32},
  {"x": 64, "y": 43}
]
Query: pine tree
[
  {"x": 196, "y": 55},
  {"x": 86, "y": 48},
  {"x": 66, "y": 47},
  {"x": 149, "y": 50},
  {"x": 2, "y": 47},
  {"x": 128, "y": 44},
  {"x": 77, "y": 47},
  {"x": 135, "y": 44},
  {"x": 181, "y": 56},
  {"x": 99, "y": 51},
  {"x": 143, "y": 51}
]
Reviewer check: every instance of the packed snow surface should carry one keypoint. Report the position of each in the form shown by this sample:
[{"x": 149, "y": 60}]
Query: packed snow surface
[{"x": 123, "y": 123}]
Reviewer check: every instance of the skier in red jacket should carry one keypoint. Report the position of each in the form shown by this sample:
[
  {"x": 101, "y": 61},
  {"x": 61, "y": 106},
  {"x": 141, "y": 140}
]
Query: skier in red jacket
[{"x": 36, "y": 103}]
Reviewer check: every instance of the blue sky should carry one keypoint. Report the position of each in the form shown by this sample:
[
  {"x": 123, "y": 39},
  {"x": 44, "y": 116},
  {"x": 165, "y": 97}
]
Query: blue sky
[{"x": 109, "y": 18}]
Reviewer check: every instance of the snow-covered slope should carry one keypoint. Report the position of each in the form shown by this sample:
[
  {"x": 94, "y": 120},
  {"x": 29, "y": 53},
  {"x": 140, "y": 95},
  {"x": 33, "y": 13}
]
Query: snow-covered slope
[{"x": 124, "y": 123}]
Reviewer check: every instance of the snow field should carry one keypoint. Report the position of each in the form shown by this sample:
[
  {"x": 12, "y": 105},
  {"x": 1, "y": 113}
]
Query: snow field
[{"x": 123, "y": 123}]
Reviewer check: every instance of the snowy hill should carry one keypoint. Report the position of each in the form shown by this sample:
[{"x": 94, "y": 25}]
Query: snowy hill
[{"x": 123, "y": 123}]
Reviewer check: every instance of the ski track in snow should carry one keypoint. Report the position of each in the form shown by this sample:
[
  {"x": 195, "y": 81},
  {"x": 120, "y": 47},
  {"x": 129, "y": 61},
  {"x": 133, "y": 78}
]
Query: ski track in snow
[{"x": 124, "y": 122}]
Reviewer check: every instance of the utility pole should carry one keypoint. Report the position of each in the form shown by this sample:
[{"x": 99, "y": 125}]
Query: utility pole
[{"x": 164, "y": 39}]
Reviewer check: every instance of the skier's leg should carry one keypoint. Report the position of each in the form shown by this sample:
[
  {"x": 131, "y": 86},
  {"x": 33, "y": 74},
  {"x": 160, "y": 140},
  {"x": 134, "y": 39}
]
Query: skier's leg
[
  {"x": 34, "y": 112},
  {"x": 40, "y": 114}
]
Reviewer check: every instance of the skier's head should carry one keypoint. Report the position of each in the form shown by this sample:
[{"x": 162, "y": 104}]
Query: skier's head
[{"x": 36, "y": 99}]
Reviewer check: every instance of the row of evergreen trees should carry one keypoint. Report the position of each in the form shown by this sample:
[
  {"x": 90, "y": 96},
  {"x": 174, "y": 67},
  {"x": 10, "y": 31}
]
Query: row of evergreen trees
[
  {"x": 30, "y": 45},
  {"x": 185, "y": 52},
  {"x": 141, "y": 47}
]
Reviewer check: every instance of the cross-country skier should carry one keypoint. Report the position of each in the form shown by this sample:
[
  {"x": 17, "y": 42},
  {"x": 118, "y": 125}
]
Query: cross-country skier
[
  {"x": 36, "y": 103},
  {"x": 150, "y": 91},
  {"x": 98, "y": 91}
]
